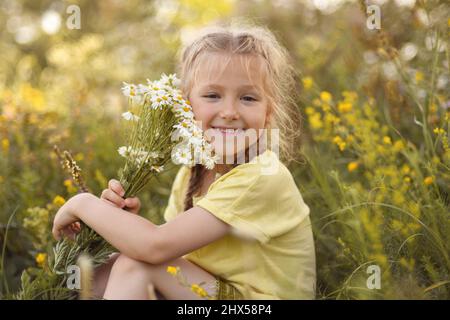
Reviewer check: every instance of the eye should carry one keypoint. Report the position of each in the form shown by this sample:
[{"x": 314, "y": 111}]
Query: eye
[
  {"x": 211, "y": 96},
  {"x": 249, "y": 98}
]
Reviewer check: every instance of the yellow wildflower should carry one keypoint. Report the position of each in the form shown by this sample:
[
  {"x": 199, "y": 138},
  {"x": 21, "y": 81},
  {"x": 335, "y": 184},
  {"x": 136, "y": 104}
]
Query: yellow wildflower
[
  {"x": 198, "y": 290},
  {"x": 172, "y": 270},
  {"x": 5, "y": 145},
  {"x": 398, "y": 145},
  {"x": 315, "y": 121},
  {"x": 439, "y": 131},
  {"x": 379, "y": 258},
  {"x": 59, "y": 201},
  {"x": 307, "y": 83},
  {"x": 428, "y": 180},
  {"x": 337, "y": 139},
  {"x": 34, "y": 97},
  {"x": 341, "y": 144},
  {"x": 419, "y": 76},
  {"x": 387, "y": 140},
  {"x": 351, "y": 119},
  {"x": 40, "y": 259},
  {"x": 326, "y": 107},
  {"x": 331, "y": 119},
  {"x": 309, "y": 110},
  {"x": 406, "y": 169},
  {"x": 352, "y": 166},
  {"x": 69, "y": 185},
  {"x": 325, "y": 96},
  {"x": 344, "y": 107}
]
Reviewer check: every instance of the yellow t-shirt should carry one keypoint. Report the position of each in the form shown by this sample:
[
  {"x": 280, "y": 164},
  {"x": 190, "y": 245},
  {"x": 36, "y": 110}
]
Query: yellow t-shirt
[{"x": 270, "y": 252}]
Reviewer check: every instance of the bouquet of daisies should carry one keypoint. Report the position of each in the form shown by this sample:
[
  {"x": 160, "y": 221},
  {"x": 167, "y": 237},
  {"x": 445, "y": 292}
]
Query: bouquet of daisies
[{"x": 161, "y": 128}]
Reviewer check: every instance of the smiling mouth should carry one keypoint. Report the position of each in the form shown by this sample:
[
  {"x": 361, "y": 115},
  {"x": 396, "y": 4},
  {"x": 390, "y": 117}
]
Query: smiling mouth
[{"x": 229, "y": 131}]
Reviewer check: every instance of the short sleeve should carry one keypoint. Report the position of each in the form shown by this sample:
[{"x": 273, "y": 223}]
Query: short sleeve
[
  {"x": 258, "y": 206},
  {"x": 176, "y": 198}
]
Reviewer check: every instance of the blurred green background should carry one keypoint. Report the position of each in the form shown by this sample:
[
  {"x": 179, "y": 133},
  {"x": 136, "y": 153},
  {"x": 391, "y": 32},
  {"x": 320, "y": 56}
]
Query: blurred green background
[{"x": 374, "y": 150}]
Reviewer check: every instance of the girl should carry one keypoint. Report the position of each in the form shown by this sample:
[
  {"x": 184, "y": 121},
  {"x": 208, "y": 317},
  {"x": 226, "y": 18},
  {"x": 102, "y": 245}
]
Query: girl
[{"x": 242, "y": 229}]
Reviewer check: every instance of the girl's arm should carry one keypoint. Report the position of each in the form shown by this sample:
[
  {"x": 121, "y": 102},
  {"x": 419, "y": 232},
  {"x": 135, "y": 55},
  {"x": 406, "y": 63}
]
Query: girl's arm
[{"x": 137, "y": 237}]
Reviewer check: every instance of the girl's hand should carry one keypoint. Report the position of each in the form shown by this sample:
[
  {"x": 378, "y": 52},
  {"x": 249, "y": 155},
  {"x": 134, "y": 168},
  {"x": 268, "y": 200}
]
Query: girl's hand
[
  {"x": 65, "y": 221},
  {"x": 113, "y": 195}
]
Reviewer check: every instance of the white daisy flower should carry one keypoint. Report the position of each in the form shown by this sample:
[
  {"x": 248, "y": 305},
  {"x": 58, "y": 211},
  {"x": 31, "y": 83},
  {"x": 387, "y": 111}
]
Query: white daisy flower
[
  {"x": 129, "y": 89},
  {"x": 130, "y": 116},
  {"x": 183, "y": 111},
  {"x": 142, "y": 89},
  {"x": 178, "y": 97},
  {"x": 178, "y": 135},
  {"x": 157, "y": 87},
  {"x": 196, "y": 138},
  {"x": 208, "y": 162},
  {"x": 124, "y": 151},
  {"x": 160, "y": 98},
  {"x": 132, "y": 91},
  {"x": 182, "y": 155},
  {"x": 183, "y": 129},
  {"x": 170, "y": 80}
]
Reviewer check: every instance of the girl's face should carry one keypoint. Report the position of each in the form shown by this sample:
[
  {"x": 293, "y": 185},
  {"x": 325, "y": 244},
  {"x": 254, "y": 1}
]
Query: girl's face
[{"x": 231, "y": 105}]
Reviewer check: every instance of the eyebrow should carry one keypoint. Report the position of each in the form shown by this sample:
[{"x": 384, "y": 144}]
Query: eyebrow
[{"x": 218, "y": 86}]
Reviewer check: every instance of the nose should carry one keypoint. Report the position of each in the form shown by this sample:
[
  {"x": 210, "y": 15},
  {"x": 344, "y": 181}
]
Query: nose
[{"x": 229, "y": 111}]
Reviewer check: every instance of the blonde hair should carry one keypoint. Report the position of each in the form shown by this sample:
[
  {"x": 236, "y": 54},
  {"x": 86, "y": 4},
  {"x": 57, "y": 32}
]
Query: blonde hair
[{"x": 279, "y": 80}]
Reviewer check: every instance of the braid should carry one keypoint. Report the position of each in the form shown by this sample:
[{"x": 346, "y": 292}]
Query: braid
[{"x": 194, "y": 185}]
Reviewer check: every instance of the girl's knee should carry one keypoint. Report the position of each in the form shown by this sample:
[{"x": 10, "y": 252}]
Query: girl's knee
[{"x": 126, "y": 264}]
